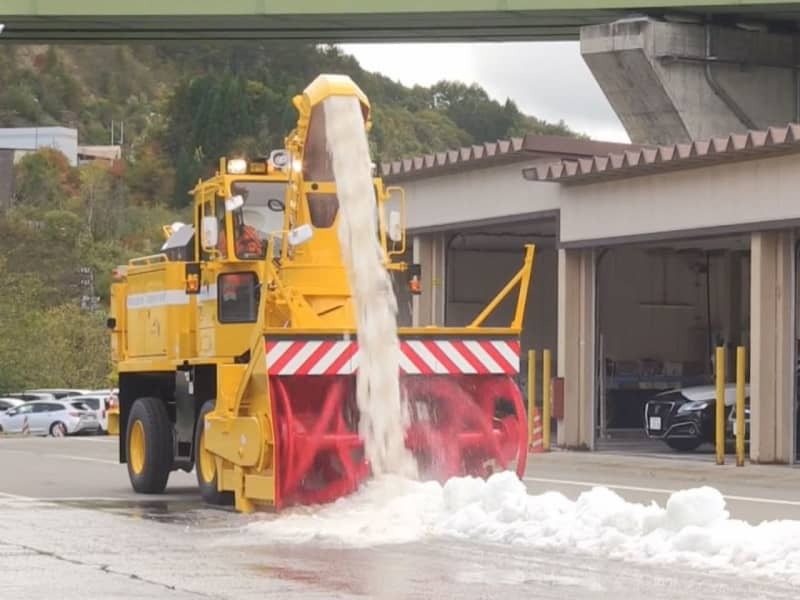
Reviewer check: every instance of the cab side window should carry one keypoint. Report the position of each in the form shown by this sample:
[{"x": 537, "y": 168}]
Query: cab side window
[
  {"x": 222, "y": 245},
  {"x": 238, "y": 297}
]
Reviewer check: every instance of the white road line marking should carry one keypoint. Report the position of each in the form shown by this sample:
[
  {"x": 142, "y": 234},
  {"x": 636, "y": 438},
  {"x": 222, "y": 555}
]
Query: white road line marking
[
  {"x": 86, "y": 499},
  {"x": 15, "y": 496},
  {"x": 633, "y": 488},
  {"x": 22, "y": 438},
  {"x": 83, "y": 458}
]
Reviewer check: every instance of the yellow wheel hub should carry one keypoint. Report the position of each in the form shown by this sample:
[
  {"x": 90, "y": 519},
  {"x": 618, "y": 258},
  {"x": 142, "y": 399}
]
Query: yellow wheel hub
[
  {"x": 208, "y": 466},
  {"x": 136, "y": 450}
]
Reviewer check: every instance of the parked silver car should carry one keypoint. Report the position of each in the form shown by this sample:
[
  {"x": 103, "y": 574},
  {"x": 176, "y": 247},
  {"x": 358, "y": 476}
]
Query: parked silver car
[{"x": 46, "y": 417}]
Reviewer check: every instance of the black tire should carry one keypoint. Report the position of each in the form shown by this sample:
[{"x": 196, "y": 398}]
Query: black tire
[
  {"x": 158, "y": 446},
  {"x": 684, "y": 444},
  {"x": 208, "y": 486},
  {"x": 58, "y": 429}
]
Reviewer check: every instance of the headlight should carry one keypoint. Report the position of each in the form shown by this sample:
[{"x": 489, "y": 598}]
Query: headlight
[
  {"x": 237, "y": 166},
  {"x": 693, "y": 406}
]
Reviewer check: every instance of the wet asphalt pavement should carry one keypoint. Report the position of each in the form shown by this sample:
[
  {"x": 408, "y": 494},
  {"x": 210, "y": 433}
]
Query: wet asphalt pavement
[{"x": 71, "y": 528}]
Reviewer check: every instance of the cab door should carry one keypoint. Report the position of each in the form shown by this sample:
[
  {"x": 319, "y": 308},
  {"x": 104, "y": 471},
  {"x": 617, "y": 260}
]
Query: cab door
[
  {"x": 17, "y": 418},
  {"x": 44, "y": 414},
  {"x": 210, "y": 264}
]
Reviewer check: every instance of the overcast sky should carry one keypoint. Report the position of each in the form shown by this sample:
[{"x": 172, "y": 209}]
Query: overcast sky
[{"x": 548, "y": 80}]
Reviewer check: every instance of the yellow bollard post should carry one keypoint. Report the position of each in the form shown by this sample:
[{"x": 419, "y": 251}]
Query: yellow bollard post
[
  {"x": 113, "y": 421},
  {"x": 720, "y": 406},
  {"x": 531, "y": 392},
  {"x": 546, "y": 366},
  {"x": 740, "y": 374}
]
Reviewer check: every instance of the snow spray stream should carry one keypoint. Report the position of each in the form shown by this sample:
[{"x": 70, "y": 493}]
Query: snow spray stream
[{"x": 383, "y": 415}]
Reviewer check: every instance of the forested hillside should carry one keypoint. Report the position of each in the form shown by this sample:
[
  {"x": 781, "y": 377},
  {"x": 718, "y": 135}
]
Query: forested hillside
[{"x": 182, "y": 107}]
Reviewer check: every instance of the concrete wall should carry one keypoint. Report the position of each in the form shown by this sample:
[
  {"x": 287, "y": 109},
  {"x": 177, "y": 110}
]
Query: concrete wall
[
  {"x": 29, "y": 139},
  {"x": 629, "y": 277},
  {"x": 476, "y": 196},
  {"x": 475, "y": 277},
  {"x": 664, "y": 91},
  {"x": 744, "y": 196}
]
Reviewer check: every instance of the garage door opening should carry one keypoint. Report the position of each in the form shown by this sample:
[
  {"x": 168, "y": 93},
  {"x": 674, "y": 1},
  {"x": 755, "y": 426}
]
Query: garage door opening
[
  {"x": 480, "y": 261},
  {"x": 662, "y": 309}
]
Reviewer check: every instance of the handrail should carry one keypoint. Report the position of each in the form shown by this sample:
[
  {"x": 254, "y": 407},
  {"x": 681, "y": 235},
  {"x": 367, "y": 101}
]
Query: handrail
[
  {"x": 148, "y": 260},
  {"x": 523, "y": 278}
]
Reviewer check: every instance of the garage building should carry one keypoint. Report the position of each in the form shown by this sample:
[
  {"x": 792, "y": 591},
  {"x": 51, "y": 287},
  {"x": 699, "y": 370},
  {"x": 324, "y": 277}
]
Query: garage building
[{"x": 647, "y": 258}]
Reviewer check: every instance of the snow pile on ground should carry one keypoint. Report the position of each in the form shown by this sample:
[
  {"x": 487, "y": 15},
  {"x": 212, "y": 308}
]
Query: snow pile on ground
[
  {"x": 693, "y": 528},
  {"x": 382, "y": 415}
]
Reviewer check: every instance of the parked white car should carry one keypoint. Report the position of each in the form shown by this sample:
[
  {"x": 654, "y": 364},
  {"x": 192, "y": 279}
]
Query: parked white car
[
  {"x": 98, "y": 403},
  {"x": 59, "y": 393},
  {"x": 6, "y": 403},
  {"x": 30, "y": 396},
  {"x": 46, "y": 417}
]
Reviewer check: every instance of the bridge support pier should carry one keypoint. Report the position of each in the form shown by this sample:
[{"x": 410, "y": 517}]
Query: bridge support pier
[{"x": 677, "y": 82}]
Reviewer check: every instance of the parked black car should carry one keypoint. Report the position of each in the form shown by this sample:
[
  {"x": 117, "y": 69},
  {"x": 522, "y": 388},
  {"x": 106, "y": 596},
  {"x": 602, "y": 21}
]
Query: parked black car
[{"x": 684, "y": 418}]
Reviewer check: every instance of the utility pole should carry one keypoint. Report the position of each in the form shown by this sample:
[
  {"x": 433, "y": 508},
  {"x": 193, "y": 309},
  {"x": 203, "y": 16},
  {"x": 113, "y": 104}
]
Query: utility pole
[{"x": 89, "y": 301}]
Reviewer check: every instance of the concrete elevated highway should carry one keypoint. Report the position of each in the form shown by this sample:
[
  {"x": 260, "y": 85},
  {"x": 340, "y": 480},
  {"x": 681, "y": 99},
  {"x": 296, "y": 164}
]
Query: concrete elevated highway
[{"x": 41, "y": 21}]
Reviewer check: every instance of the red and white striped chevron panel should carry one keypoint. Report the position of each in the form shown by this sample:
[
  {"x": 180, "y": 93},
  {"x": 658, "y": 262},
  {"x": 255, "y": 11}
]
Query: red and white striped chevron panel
[{"x": 419, "y": 357}]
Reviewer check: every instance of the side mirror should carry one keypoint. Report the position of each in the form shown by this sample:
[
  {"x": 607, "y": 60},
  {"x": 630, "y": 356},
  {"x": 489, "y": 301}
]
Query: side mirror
[
  {"x": 300, "y": 235},
  {"x": 11, "y": 412},
  {"x": 231, "y": 204},
  {"x": 395, "y": 229},
  {"x": 209, "y": 234}
]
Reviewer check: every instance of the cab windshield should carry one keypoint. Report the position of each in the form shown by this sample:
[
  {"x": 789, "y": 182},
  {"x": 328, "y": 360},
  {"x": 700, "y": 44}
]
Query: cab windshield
[{"x": 260, "y": 215}]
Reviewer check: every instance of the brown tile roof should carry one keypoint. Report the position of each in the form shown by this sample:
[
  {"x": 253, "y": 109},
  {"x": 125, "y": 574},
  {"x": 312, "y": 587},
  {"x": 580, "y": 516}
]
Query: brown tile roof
[
  {"x": 528, "y": 148},
  {"x": 657, "y": 159}
]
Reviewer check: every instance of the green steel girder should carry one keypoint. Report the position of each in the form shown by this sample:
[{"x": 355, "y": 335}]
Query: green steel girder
[{"x": 350, "y": 20}]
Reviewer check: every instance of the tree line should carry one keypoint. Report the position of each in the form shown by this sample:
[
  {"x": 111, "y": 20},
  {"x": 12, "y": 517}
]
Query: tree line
[{"x": 183, "y": 106}]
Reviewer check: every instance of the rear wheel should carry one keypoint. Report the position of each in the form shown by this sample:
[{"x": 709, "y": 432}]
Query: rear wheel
[
  {"x": 58, "y": 429},
  {"x": 205, "y": 465},
  {"x": 149, "y": 446}
]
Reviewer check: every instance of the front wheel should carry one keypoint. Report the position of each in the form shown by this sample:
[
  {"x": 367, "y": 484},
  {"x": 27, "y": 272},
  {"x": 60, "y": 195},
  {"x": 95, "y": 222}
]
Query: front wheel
[
  {"x": 149, "y": 445},
  {"x": 206, "y": 465}
]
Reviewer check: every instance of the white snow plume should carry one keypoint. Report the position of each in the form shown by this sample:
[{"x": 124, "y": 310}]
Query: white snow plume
[
  {"x": 693, "y": 528},
  {"x": 382, "y": 414}
]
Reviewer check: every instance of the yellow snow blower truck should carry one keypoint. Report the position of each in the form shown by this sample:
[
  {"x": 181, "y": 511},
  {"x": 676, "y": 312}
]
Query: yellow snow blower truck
[{"x": 238, "y": 353}]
